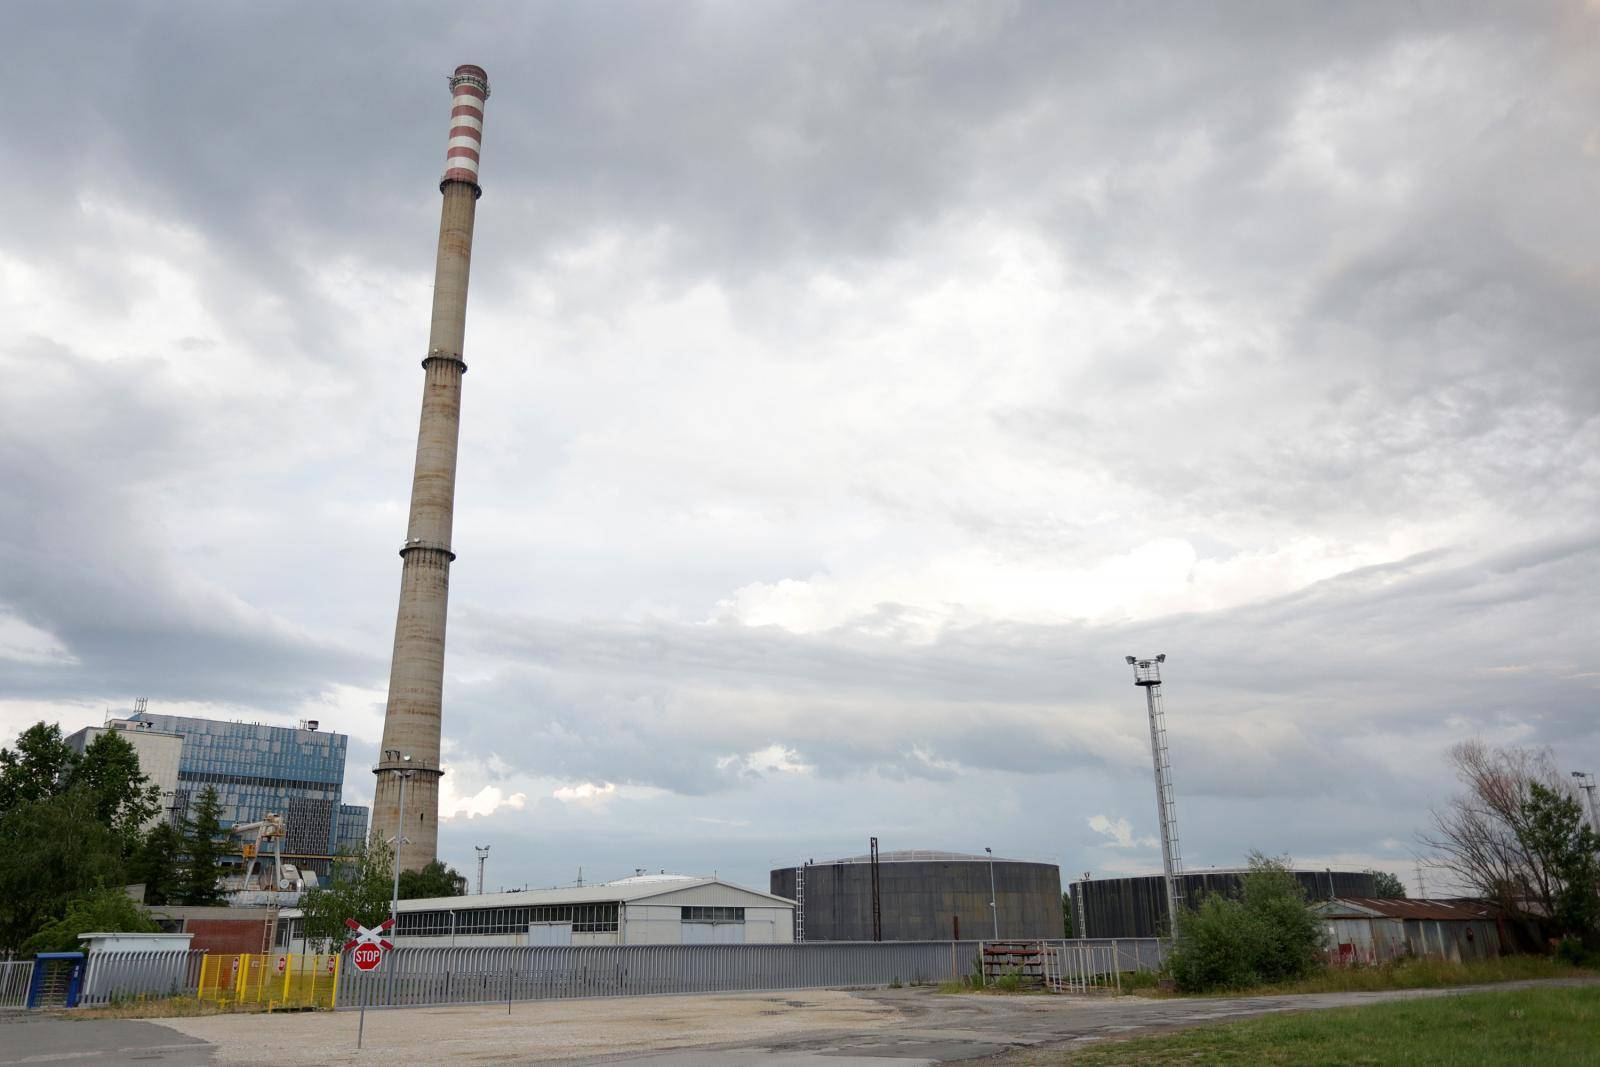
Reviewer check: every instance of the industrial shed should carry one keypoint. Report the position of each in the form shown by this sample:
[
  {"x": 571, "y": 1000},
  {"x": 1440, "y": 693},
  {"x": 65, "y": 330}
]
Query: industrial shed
[
  {"x": 923, "y": 896},
  {"x": 1136, "y": 906},
  {"x": 1366, "y": 930},
  {"x": 651, "y": 909}
]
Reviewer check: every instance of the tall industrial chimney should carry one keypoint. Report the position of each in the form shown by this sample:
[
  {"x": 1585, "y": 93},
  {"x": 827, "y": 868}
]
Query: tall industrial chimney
[{"x": 407, "y": 801}]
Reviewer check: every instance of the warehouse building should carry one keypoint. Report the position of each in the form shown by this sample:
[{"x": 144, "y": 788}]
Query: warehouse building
[
  {"x": 923, "y": 896},
  {"x": 1137, "y": 906},
  {"x": 651, "y": 909},
  {"x": 1366, "y": 931}
]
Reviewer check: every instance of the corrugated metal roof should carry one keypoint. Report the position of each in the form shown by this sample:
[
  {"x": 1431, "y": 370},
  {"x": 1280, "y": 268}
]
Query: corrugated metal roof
[
  {"x": 626, "y": 890},
  {"x": 1399, "y": 908}
]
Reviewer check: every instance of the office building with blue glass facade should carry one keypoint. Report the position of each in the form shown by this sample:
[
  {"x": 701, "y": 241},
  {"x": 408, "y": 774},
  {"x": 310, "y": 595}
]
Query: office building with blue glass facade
[{"x": 258, "y": 769}]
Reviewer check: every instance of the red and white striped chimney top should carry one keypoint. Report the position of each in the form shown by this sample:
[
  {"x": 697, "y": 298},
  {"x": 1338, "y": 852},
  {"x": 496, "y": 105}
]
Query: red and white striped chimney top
[{"x": 469, "y": 88}]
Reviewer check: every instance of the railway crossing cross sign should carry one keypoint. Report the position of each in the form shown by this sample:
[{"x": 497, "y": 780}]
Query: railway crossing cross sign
[{"x": 368, "y": 946}]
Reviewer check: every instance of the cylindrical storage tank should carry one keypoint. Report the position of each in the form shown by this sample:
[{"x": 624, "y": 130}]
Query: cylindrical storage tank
[
  {"x": 1136, "y": 906},
  {"x": 924, "y": 896}
]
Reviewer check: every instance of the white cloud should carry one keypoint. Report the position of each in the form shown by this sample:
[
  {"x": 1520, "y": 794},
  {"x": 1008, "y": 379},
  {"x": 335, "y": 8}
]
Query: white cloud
[
  {"x": 21, "y": 642},
  {"x": 1120, "y": 833},
  {"x": 586, "y": 792}
]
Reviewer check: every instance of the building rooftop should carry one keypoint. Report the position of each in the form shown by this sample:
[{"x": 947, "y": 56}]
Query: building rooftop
[
  {"x": 624, "y": 890},
  {"x": 1401, "y": 908}
]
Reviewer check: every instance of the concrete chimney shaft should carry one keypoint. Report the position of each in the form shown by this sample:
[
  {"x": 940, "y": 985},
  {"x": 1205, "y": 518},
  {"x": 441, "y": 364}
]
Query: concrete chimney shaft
[{"x": 411, "y": 722}]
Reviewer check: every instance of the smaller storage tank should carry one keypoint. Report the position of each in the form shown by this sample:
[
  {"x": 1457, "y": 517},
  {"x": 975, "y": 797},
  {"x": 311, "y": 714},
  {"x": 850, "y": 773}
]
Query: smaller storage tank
[
  {"x": 1136, "y": 906},
  {"x": 924, "y": 896}
]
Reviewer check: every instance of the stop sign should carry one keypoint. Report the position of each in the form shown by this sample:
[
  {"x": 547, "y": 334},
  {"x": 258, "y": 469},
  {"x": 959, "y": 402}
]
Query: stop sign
[{"x": 366, "y": 957}]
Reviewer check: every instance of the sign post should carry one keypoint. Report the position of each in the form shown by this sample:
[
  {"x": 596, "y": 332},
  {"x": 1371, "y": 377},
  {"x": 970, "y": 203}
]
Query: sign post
[{"x": 366, "y": 952}]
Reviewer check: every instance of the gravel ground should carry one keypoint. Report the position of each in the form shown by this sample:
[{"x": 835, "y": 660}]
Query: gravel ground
[{"x": 542, "y": 1031}]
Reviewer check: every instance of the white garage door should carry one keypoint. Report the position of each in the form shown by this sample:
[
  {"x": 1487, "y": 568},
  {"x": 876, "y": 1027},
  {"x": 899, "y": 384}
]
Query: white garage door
[{"x": 549, "y": 933}]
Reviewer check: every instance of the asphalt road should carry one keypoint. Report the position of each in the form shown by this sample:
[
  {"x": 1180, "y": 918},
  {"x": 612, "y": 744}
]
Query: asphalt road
[
  {"x": 45, "y": 1038},
  {"x": 930, "y": 1029},
  {"x": 995, "y": 1031}
]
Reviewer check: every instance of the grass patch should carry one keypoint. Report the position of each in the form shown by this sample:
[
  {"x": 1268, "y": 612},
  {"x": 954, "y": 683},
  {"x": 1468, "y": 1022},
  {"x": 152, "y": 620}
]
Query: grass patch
[
  {"x": 163, "y": 1008},
  {"x": 1513, "y": 1027},
  {"x": 1428, "y": 974},
  {"x": 1403, "y": 974}
]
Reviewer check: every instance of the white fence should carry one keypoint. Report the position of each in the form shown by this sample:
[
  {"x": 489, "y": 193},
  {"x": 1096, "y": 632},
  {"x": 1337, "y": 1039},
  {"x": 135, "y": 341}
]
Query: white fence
[
  {"x": 413, "y": 977},
  {"x": 110, "y": 976},
  {"x": 15, "y": 978}
]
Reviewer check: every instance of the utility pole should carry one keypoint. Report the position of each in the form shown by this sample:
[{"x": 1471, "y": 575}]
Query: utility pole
[
  {"x": 1147, "y": 676},
  {"x": 483, "y": 854},
  {"x": 994, "y": 910},
  {"x": 877, "y": 898}
]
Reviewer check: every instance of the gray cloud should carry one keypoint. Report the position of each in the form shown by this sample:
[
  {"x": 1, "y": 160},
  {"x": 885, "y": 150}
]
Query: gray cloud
[{"x": 846, "y": 379}]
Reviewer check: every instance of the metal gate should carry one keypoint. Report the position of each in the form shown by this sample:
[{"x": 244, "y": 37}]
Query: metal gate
[
  {"x": 271, "y": 980},
  {"x": 15, "y": 978}
]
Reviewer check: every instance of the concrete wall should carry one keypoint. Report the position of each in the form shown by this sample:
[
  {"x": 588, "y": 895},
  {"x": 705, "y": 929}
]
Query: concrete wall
[{"x": 922, "y": 900}]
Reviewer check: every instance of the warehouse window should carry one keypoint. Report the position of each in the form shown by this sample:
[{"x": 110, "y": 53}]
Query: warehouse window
[
  {"x": 585, "y": 919},
  {"x": 704, "y": 914}
]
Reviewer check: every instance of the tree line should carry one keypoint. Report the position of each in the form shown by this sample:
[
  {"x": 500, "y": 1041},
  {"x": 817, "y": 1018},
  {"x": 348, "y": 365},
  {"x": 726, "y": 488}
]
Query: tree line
[{"x": 75, "y": 829}]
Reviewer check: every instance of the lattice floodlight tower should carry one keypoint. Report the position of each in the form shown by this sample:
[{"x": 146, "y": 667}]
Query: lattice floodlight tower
[{"x": 1147, "y": 675}]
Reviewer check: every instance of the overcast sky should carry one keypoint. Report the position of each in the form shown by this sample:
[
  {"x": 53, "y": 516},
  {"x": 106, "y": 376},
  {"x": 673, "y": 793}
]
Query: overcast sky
[{"x": 852, "y": 386}]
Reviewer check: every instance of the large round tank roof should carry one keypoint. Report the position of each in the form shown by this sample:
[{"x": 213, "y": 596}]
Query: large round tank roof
[
  {"x": 923, "y": 855},
  {"x": 646, "y": 879}
]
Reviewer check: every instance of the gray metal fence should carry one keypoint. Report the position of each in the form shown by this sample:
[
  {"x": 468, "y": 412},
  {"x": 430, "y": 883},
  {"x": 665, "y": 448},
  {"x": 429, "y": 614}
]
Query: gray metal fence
[
  {"x": 413, "y": 977},
  {"x": 112, "y": 976},
  {"x": 15, "y": 977}
]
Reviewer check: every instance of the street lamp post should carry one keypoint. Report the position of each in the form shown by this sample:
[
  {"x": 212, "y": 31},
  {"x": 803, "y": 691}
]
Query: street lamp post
[
  {"x": 1586, "y": 783},
  {"x": 994, "y": 911},
  {"x": 399, "y": 845}
]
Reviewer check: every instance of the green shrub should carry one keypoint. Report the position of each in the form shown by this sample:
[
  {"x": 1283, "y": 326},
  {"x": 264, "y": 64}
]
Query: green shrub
[
  {"x": 103, "y": 910},
  {"x": 1268, "y": 934}
]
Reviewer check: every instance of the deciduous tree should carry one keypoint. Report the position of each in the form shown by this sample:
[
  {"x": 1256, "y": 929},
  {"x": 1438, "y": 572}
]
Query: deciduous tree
[
  {"x": 52, "y": 850},
  {"x": 359, "y": 889},
  {"x": 37, "y": 768},
  {"x": 1386, "y": 886},
  {"x": 1485, "y": 836},
  {"x": 124, "y": 798},
  {"x": 434, "y": 880},
  {"x": 1556, "y": 832}
]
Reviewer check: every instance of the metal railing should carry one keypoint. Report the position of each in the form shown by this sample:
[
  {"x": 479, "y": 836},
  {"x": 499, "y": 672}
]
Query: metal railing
[
  {"x": 15, "y": 978},
  {"x": 416, "y": 977},
  {"x": 110, "y": 976},
  {"x": 1085, "y": 966}
]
